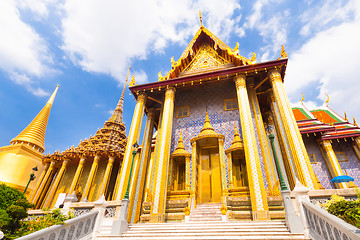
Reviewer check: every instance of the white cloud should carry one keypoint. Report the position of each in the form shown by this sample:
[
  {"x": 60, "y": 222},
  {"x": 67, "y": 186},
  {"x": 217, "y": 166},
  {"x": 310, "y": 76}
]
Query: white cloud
[
  {"x": 23, "y": 53},
  {"x": 330, "y": 58},
  {"x": 39, "y": 8},
  {"x": 271, "y": 25},
  {"x": 105, "y": 36}
]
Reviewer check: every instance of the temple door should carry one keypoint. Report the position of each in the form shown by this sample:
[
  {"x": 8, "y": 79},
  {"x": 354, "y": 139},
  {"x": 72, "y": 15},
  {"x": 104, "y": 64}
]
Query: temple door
[{"x": 209, "y": 185}]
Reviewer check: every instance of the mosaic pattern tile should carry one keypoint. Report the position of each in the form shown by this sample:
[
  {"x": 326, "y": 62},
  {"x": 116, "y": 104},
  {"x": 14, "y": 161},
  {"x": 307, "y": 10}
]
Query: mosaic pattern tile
[
  {"x": 352, "y": 165},
  {"x": 211, "y": 97},
  {"x": 320, "y": 168}
]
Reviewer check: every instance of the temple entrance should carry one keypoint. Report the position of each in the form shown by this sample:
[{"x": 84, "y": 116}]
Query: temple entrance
[
  {"x": 240, "y": 178},
  {"x": 209, "y": 177}
]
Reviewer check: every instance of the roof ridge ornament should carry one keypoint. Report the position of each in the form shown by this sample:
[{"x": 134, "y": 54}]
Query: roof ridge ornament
[
  {"x": 201, "y": 22},
  {"x": 327, "y": 100},
  {"x": 303, "y": 97},
  {"x": 283, "y": 53}
]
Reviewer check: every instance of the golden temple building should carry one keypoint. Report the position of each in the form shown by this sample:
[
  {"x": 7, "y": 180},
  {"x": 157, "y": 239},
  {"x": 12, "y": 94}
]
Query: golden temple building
[{"x": 208, "y": 136}]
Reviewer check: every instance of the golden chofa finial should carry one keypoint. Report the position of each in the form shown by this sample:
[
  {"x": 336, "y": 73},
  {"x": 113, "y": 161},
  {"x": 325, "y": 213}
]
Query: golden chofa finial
[
  {"x": 236, "y": 49},
  {"x": 201, "y": 19},
  {"x": 132, "y": 83},
  {"x": 253, "y": 58},
  {"x": 327, "y": 100},
  {"x": 160, "y": 76},
  {"x": 283, "y": 53},
  {"x": 173, "y": 63},
  {"x": 345, "y": 117},
  {"x": 302, "y": 98},
  {"x": 355, "y": 123}
]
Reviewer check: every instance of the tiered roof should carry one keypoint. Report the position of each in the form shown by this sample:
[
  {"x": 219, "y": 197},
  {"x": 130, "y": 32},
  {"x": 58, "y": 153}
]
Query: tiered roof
[{"x": 325, "y": 120}]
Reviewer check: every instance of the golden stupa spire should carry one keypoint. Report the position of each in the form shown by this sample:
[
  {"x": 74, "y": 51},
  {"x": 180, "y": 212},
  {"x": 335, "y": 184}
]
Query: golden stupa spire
[
  {"x": 118, "y": 112},
  {"x": 207, "y": 125},
  {"x": 34, "y": 133}
]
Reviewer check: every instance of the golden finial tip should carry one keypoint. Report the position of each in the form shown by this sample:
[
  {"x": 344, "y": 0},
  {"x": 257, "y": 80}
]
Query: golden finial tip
[
  {"x": 327, "y": 100},
  {"x": 200, "y": 19},
  {"x": 303, "y": 97}
]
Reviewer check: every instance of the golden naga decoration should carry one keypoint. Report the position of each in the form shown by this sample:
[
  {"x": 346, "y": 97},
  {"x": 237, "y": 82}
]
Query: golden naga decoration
[
  {"x": 345, "y": 117},
  {"x": 355, "y": 123},
  {"x": 302, "y": 98},
  {"x": 162, "y": 78},
  {"x": 283, "y": 53},
  {"x": 253, "y": 58},
  {"x": 132, "y": 83},
  {"x": 327, "y": 100},
  {"x": 236, "y": 49}
]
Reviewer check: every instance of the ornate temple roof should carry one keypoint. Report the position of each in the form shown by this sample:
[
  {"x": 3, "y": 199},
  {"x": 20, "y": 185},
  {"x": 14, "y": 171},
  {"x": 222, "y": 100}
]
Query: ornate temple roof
[
  {"x": 34, "y": 133},
  {"x": 111, "y": 139},
  {"x": 207, "y": 131},
  {"x": 324, "y": 120}
]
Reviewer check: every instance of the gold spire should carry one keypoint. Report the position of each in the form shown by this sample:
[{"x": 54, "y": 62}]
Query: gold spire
[
  {"x": 237, "y": 142},
  {"x": 118, "y": 112},
  {"x": 34, "y": 133},
  {"x": 207, "y": 129},
  {"x": 180, "y": 149},
  {"x": 201, "y": 19}
]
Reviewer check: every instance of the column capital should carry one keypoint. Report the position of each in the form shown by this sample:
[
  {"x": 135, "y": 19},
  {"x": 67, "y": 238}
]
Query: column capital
[
  {"x": 327, "y": 145},
  {"x": 240, "y": 81},
  {"x": 221, "y": 141},
  {"x": 170, "y": 93},
  {"x": 274, "y": 75},
  {"x": 141, "y": 96}
]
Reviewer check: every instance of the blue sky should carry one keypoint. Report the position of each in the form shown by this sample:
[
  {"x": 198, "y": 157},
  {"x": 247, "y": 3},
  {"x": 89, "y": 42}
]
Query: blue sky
[{"x": 86, "y": 46}]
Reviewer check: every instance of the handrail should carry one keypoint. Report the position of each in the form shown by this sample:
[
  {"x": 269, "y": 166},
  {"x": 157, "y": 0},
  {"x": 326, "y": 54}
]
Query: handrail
[
  {"x": 323, "y": 225},
  {"x": 75, "y": 228}
]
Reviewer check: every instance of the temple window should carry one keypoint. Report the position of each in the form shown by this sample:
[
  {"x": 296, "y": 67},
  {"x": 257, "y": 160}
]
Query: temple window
[
  {"x": 182, "y": 111},
  {"x": 341, "y": 156},
  {"x": 312, "y": 158},
  {"x": 230, "y": 104}
]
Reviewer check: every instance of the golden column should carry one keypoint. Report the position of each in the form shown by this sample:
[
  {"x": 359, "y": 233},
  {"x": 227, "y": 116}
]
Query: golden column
[
  {"x": 333, "y": 163},
  {"x": 46, "y": 181},
  {"x": 91, "y": 177},
  {"x": 269, "y": 168},
  {"x": 256, "y": 184},
  {"x": 39, "y": 182},
  {"x": 301, "y": 159},
  {"x": 356, "y": 145},
  {"x": 193, "y": 168},
  {"x": 229, "y": 163},
  {"x": 77, "y": 175},
  {"x": 56, "y": 183},
  {"x": 123, "y": 178},
  {"x": 106, "y": 178},
  {"x": 157, "y": 213},
  {"x": 223, "y": 166},
  {"x": 187, "y": 173},
  {"x": 137, "y": 187},
  {"x": 291, "y": 173}
]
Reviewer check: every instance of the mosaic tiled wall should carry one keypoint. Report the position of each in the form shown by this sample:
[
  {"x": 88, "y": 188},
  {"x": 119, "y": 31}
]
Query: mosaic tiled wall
[
  {"x": 352, "y": 165},
  {"x": 212, "y": 97},
  {"x": 320, "y": 168}
]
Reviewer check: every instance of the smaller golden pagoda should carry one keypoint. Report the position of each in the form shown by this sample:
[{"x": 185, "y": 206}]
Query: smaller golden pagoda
[{"x": 25, "y": 151}]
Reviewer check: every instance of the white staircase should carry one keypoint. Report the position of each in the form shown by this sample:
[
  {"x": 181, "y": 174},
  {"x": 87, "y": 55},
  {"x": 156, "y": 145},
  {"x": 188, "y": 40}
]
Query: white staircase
[
  {"x": 206, "y": 212},
  {"x": 207, "y": 230},
  {"x": 204, "y": 224}
]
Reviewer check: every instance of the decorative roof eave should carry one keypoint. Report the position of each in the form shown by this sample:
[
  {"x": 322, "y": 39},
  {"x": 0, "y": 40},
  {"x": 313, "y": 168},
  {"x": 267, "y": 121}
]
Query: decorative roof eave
[
  {"x": 327, "y": 137},
  {"x": 223, "y": 72},
  {"x": 213, "y": 135}
]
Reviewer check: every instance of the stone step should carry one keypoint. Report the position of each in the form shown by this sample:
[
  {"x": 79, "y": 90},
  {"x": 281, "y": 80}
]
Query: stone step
[
  {"x": 207, "y": 237},
  {"x": 208, "y": 231},
  {"x": 249, "y": 235},
  {"x": 218, "y": 223},
  {"x": 231, "y": 228}
]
